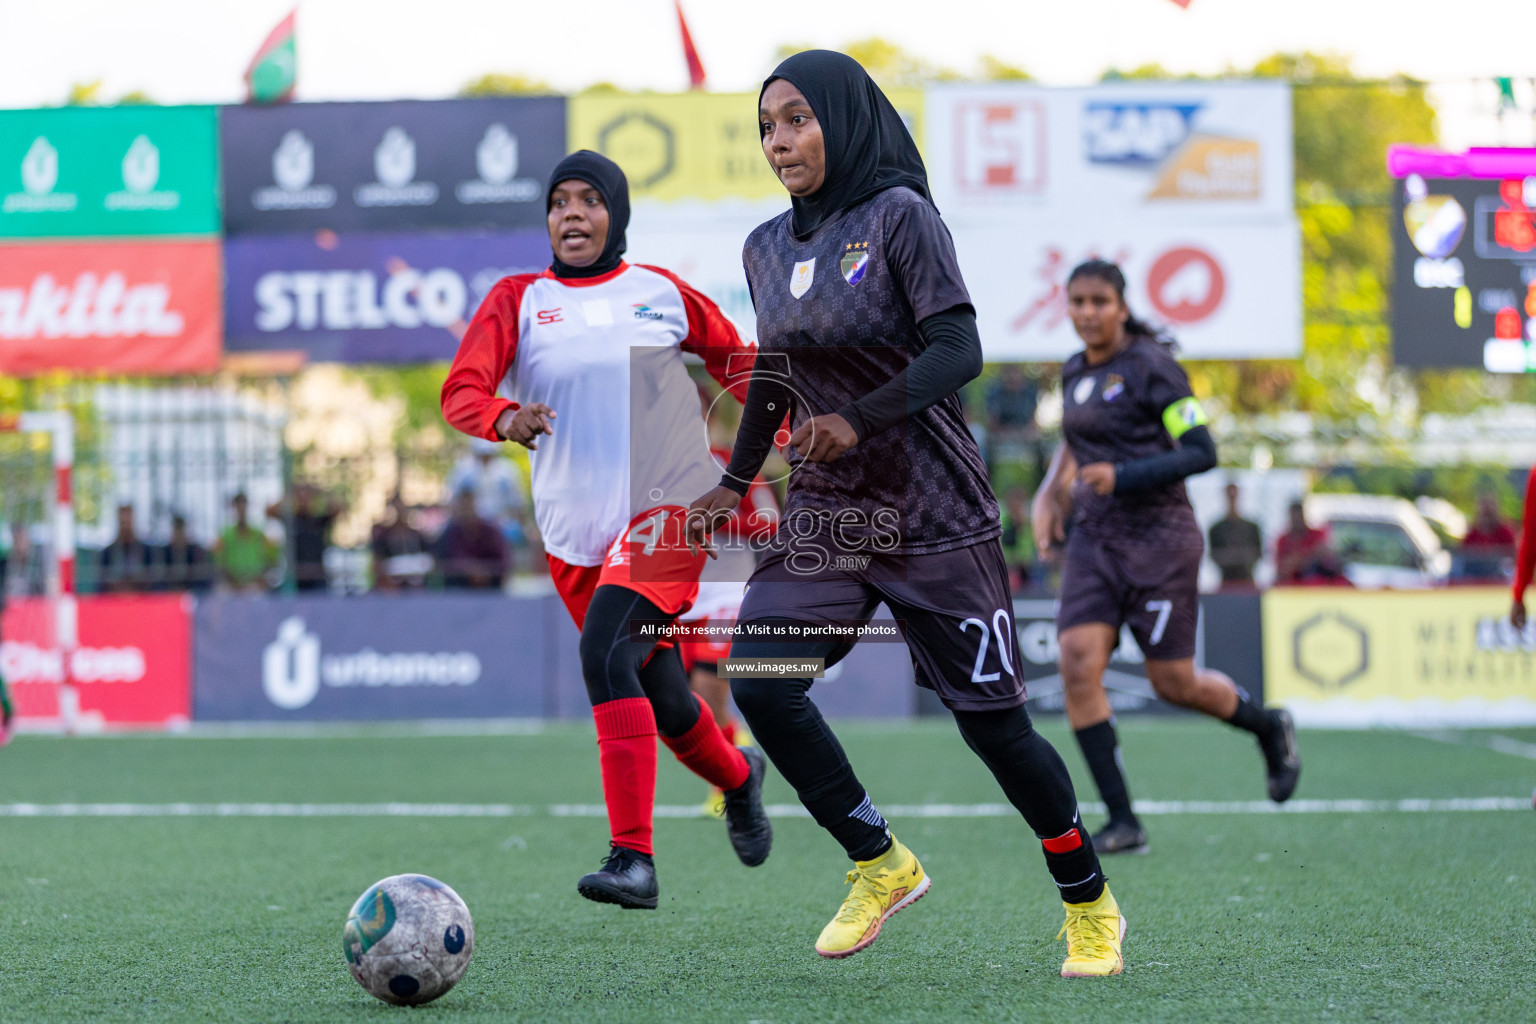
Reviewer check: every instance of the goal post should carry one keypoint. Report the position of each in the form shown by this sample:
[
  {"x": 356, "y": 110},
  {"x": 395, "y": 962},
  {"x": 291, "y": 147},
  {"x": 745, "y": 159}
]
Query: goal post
[{"x": 60, "y": 428}]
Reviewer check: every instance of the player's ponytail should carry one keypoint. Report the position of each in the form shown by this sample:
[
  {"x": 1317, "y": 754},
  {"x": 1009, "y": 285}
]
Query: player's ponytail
[{"x": 1111, "y": 274}]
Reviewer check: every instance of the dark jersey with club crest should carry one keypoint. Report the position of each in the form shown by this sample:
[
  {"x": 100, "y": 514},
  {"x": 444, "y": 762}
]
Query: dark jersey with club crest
[
  {"x": 837, "y": 314},
  {"x": 1135, "y": 405}
]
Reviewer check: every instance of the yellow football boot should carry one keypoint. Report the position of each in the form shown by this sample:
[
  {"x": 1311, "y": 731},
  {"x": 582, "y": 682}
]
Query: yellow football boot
[
  {"x": 891, "y": 882},
  {"x": 714, "y": 805},
  {"x": 1094, "y": 932}
]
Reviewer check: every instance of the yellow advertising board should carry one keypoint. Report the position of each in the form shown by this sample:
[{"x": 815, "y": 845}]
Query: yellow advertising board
[
  {"x": 691, "y": 145},
  {"x": 1439, "y": 657}
]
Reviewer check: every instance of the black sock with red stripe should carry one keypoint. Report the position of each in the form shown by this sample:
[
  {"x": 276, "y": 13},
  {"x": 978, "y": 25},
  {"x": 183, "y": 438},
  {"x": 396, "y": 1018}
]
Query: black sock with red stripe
[
  {"x": 1035, "y": 780},
  {"x": 1101, "y": 749}
]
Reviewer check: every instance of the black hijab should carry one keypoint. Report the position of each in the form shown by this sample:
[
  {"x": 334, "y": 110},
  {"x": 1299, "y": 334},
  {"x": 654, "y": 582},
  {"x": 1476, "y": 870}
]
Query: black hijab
[
  {"x": 605, "y": 176},
  {"x": 868, "y": 147}
]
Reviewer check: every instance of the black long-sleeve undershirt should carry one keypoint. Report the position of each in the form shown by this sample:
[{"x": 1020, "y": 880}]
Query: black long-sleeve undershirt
[
  {"x": 1196, "y": 454},
  {"x": 951, "y": 360}
]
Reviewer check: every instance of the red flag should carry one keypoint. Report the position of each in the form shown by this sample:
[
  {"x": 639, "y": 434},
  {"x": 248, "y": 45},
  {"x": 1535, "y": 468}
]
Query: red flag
[
  {"x": 274, "y": 70},
  {"x": 690, "y": 52}
]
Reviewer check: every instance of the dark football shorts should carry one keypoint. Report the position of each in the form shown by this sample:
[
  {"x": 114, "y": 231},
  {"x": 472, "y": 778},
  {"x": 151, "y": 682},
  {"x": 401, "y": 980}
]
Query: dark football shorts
[
  {"x": 1154, "y": 591},
  {"x": 953, "y": 609}
]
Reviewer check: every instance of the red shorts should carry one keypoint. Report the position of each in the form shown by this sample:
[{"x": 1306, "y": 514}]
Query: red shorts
[{"x": 649, "y": 557}]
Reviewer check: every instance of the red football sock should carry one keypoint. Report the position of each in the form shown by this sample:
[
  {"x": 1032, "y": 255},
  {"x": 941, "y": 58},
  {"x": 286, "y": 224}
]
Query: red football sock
[
  {"x": 728, "y": 730},
  {"x": 626, "y": 750},
  {"x": 706, "y": 753}
]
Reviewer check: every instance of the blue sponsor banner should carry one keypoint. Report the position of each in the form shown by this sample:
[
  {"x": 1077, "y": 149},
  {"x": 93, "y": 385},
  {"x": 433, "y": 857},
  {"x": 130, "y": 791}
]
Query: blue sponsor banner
[
  {"x": 373, "y": 298},
  {"x": 480, "y": 163},
  {"x": 377, "y": 657}
]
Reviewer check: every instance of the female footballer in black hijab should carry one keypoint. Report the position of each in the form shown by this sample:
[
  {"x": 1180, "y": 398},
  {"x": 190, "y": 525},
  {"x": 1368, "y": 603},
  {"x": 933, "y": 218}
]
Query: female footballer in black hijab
[{"x": 866, "y": 331}]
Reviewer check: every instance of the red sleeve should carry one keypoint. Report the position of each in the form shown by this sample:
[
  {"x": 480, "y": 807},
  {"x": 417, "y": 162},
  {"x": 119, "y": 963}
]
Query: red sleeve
[
  {"x": 727, "y": 356},
  {"x": 469, "y": 398},
  {"x": 1525, "y": 560}
]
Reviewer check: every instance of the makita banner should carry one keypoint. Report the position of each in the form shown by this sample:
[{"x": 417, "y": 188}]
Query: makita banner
[
  {"x": 388, "y": 166},
  {"x": 367, "y": 298},
  {"x": 100, "y": 171},
  {"x": 410, "y": 656},
  {"x": 109, "y": 307},
  {"x": 132, "y": 666}
]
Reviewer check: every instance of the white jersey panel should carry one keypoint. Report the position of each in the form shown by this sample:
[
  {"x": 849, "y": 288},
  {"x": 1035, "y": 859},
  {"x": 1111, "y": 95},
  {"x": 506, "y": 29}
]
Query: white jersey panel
[{"x": 629, "y": 434}]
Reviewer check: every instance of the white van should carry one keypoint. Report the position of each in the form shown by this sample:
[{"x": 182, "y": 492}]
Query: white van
[{"x": 1384, "y": 542}]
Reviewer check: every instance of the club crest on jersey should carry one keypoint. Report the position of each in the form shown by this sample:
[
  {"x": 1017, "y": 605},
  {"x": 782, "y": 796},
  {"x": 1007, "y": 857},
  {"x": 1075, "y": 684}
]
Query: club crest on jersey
[
  {"x": 1114, "y": 386},
  {"x": 1084, "y": 389},
  {"x": 855, "y": 260},
  {"x": 801, "y": 277}
]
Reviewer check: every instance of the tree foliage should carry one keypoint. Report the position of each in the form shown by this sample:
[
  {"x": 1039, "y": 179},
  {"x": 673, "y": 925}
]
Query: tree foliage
[{"x": 496, "y": 83}]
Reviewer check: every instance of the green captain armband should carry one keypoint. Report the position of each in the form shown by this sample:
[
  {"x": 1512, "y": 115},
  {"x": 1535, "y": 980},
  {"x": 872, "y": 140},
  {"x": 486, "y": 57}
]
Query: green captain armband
[{"x": 1183, "y": 416}]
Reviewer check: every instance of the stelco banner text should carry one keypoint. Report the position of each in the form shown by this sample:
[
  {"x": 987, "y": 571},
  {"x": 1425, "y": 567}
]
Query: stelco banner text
[{"x": 367, "y": 298}]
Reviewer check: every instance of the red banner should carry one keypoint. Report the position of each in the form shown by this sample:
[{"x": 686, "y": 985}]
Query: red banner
[
  {"x": 116, "y": 307},
  {"x": 133, "y": 665}
]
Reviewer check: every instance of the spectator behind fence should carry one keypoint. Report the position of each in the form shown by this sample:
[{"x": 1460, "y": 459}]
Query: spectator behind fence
[
  {"x": 497, "y": 487},
  {"x": 1018, "y": 538},
  {"x": 244, "y": 554},
  {"x": 471, "y": 552},
  {"x": 127, "y": 564},
  {"x": 1012, "y": 401},
  {"x": 1302, "y": 555},
  {"x": 1237, "y": 545},
  {"x": 1489, "y": 545},
  {"x": 28, "y": 569},
  {"x": 309, "y": 530},
  {"x": 183, "y": 564},
  {"x": 402, "y": 557}
]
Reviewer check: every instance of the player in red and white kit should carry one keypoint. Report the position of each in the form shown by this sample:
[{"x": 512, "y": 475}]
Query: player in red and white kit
[{"x": 592, "y": 350}]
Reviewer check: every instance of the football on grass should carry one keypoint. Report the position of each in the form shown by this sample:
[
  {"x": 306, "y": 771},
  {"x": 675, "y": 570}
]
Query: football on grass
[{"x": 408, "y": 939}]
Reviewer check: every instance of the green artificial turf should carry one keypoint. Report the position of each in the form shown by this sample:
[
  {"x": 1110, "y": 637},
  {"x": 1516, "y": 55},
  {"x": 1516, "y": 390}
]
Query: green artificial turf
[{"x": 1387, "y": 916}]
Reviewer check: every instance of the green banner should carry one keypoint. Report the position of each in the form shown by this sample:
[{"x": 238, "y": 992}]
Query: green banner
[{"x": 101, "y": 171}]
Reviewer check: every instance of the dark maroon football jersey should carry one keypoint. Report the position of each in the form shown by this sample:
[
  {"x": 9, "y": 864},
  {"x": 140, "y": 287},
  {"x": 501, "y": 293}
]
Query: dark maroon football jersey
[
  {"x": 843, "y": 309},
  {"x": 1130, "y": 407}
]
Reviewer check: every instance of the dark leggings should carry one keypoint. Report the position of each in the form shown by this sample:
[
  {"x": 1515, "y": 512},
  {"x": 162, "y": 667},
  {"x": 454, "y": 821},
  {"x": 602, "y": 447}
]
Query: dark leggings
[
  {"x": 790, "y": 729},
  {"x": 615, "y": 667}
]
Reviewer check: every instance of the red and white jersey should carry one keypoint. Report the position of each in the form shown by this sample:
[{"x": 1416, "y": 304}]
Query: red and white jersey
[{"x": 606, "y": 354}]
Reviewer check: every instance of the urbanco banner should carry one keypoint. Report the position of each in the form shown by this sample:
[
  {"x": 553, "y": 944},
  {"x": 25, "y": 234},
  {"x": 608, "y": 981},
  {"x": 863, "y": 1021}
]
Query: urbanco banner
[
  {"x": 1223, "y": 291},
  {"x": 108, "y": 171},
  {"x": 480, "y": 163},
  {"x": 1197, "y": 150},
  {"x": 393, "y": 298},
  {"x": 692, "y": 146},
  {"x": 416, "y": 656},
  {"x": 132, "y": 665},
  {"x": 140, "y": 307}
]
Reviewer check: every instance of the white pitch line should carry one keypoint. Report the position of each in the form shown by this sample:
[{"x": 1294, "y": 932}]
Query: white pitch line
[
  {"x": 411, "y": 810},
  {"x": 1502, "y": 744}
]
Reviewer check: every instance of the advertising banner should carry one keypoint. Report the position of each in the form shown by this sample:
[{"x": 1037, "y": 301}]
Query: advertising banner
[
  {"x": 102, "y": 171},
  {"x": 692, "y": 146},
  {"x": 1228, "y": 640},
  {"x": 479, "y": 163},
  {"x": 1438, "y": 658},
  {"x": 367, "y": 298},
  {"x": 133, "y": 665},
  {"x": 109, "y": 307},
  {"x": 1464, "y": 280},
  {"x": 1223, "y": 291},
  {"x": 1190, "y": 150},
  {"x": 373, "y": 657}
]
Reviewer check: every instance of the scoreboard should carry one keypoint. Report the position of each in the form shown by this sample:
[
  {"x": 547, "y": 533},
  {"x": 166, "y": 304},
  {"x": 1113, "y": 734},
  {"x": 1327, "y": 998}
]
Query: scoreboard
[{"x": 1464, "y": 253}]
